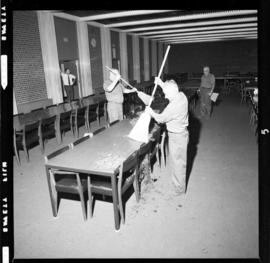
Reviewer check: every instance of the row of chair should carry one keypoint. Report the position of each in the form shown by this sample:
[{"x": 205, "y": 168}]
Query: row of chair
[
  {"x": 44, "y": 129},
  {"x": 128, "y": 175}
]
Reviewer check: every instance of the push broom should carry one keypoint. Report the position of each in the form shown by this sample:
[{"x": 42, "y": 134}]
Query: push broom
[
  {"x": 140, "y": 130},
  {"x": 121, "y": 78}
]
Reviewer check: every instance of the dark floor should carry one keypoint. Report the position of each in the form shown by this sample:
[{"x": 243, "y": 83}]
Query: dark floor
[{"x": 218, "y": 217}]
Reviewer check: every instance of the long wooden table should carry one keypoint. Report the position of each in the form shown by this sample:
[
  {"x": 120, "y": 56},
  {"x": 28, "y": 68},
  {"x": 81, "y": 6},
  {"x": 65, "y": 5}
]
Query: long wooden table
[{"x": 100, "y": 155}]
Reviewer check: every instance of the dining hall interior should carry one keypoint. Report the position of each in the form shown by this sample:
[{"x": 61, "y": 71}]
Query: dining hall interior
[{"x": 83, "y": 187}]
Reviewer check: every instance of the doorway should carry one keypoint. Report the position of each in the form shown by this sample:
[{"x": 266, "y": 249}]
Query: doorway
[{"x": 73, "y": 66}]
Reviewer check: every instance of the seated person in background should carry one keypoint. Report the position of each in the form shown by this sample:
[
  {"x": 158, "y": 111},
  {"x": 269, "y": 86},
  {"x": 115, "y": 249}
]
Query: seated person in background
[
  {"x": 175, "y": 115},
  {"x": 114, "y": 94}
]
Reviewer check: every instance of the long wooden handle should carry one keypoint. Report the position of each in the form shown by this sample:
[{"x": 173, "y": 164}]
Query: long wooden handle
[
  {"x": 121, "y": 78},
  {"x": 159, "y": 74}
]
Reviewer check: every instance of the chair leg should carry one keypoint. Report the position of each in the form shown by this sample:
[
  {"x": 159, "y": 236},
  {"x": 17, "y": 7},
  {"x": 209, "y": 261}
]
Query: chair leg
[
  {"x": 17, "y": 156},
  {"x": 121, "y": 207},
  {"x": 82, "y": 203},
  {"x": 90, "y": 196},
  {"x": 136, "y": 188},
  {"x": 26, "y": 153}
]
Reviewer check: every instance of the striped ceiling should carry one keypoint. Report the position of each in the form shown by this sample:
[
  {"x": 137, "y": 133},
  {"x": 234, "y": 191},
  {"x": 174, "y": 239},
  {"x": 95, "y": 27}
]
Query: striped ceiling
[{"x": 176, "y": 26}]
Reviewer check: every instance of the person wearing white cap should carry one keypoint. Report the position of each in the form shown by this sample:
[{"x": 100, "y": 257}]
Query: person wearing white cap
[
  {"x": 175, "y": 115},
  {"x": 114, "y": 94}
]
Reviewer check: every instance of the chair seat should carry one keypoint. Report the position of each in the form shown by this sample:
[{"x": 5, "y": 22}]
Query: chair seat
[{"x": 69, "y": 185}]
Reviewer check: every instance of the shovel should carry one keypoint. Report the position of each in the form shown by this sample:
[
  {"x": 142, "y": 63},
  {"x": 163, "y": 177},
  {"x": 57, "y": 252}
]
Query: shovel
[{"x": 140, "y": 130}]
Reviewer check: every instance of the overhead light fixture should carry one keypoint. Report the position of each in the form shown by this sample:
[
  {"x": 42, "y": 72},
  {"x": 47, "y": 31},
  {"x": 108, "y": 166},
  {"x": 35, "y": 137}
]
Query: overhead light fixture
[
  {"x": 210, "y": 40},
  {"x": 205, "y": 23},
  {"x": 122, "y": 14},
  {"x": 185, "y": 17},
  {"x": 206, "y": 32},
  {"x": 208, "y": 37},
  {"x": 152, "y": 33}
]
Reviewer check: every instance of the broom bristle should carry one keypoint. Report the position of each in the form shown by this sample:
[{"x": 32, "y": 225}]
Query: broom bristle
[{"x": 140, "y": 130}]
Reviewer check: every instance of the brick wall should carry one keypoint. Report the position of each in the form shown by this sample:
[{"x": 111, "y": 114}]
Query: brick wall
[{"x": 28, "y": 72}]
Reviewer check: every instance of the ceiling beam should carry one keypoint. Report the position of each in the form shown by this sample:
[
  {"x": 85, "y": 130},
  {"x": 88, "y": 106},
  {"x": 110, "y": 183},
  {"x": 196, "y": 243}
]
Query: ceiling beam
[
  {"x": 204, "y": 23},
  {"x": 206, "y": 32},
  {"x": 210, "y": 40},
  {"x": 207, "y": 37},
  {"x": 185, "y": 17},
  {"x": 122, "y": 14},
  {"x": 152, "y": 33}
]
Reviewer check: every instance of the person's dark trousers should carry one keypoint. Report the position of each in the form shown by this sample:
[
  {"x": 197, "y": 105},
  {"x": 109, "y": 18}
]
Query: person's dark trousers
[
  {"x": 205, "y": 102},
  {"x": 70, "y": 92}
]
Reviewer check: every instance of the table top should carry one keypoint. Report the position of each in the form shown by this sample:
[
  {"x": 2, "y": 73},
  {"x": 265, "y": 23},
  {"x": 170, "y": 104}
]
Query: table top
[{"x": 101, "y": 154}]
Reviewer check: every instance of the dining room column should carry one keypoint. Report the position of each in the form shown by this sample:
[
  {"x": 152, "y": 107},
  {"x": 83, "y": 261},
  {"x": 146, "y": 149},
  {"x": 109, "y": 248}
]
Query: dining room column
[
  {"x": 146, "y": 58},
  {"x": 154, "y": 57},
  {"x": 123, "y": 55},
  {"x": 15, "y": 109},
  {"x": 50, "y": 56},
  {"x": 106, "y": 51},
  {"x": 136, "y": 58},
  {"x": 84, "y": 59}
]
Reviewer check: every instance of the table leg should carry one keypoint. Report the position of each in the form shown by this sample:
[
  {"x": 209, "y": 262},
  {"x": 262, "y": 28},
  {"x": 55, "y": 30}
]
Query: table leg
[
  {"x": 115, "y": 202},
  {"x": 54, "y": 208}
]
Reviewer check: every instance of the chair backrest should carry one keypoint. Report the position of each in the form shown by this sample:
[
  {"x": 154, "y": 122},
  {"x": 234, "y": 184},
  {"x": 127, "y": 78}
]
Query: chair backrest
[
  {"x": 80, "y": 140},
  {"x": 131, "y": 163},
  {"x": 32, "y": 126},
  {"x": 99, "y": 130},
  {"x": 48, "y": 121},
  {"x": 38, "y": 109},
  {"x": 144, "y": 149},
  {"x": 65, "y": 115},
  {"x": 81, "y": 111},
  {"x": 52, "y": 106},
  {"x": 113, "y": 123},
  {"x": 55, "y": 153},
  {"x": 93, "y": 108}
]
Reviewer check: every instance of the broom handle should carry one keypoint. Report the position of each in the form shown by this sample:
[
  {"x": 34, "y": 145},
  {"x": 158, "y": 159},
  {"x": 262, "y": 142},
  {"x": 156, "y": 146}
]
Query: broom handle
[
  {"x": 159, "y": 74},
  {"x": 121, "y": 79}
]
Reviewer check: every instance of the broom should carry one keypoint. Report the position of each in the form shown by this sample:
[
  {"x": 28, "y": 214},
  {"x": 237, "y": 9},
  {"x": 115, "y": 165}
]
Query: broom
[
  {"x": 140, "y": 130},
  {"x": 121, "y": 78}
]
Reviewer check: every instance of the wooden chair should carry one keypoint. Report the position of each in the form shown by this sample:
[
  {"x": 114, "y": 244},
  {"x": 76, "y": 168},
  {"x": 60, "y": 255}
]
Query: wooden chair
[
  {"x": 79, "y": 119},
  {"x": 66, "y": 182},
  {"x": 65, "y": 123},
  {"x": 47, "y": 130},
  {"x": 25, "y": 139},
  {"x": 91, "y": 115},
  {"x": 144, "y": 159},
  {"x": 127, "y": 176}
]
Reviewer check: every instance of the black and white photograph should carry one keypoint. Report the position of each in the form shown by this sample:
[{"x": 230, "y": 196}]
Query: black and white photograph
[{"x": 135, "y": 133}]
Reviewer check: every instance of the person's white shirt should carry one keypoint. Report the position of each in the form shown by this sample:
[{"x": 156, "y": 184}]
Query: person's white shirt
[{"x": 65, "y": 77}]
